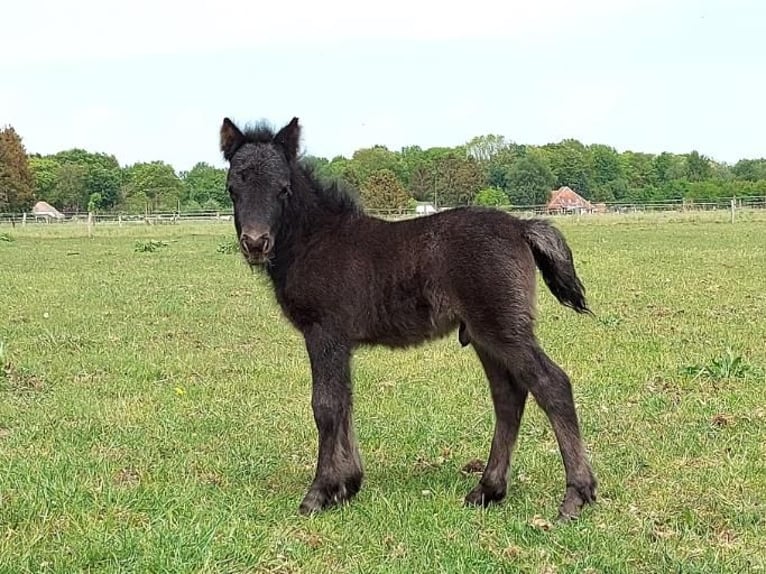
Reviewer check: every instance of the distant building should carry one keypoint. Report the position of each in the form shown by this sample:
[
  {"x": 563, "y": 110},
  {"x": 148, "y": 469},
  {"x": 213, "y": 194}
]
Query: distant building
[
  {"x": 566, "y": 200},
  {"x": 424, "y": 208},
  {"x": 46, "y": 210}
]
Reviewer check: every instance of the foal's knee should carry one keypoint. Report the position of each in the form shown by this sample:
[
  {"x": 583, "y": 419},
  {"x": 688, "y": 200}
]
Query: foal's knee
[
  {"x": 329, "y": 410},
  {"x": 326, "y": 417}
]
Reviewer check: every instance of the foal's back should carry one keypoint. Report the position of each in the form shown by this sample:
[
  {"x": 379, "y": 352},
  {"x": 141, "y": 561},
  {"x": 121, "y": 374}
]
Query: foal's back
[{"x": 400, "y": 283}]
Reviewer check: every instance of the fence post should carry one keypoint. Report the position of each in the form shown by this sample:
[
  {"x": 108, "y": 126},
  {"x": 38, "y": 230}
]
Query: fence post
[
  {"x": 24, "y": 219},
  {"x": 90, "y": 224},
  {"x": 733, "y": 204}
]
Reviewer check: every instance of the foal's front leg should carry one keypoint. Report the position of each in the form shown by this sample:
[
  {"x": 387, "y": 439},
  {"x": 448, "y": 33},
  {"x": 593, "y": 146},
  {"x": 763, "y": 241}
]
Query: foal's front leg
[{"x": 339, "y": 471}]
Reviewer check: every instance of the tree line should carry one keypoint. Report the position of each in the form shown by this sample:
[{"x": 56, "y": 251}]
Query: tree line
[{"x": 488, "y": 170}]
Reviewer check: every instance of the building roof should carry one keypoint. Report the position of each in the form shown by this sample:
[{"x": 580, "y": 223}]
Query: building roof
[
  {"x": 45, "y": 208},
  {"x": 566, "y": 198}
]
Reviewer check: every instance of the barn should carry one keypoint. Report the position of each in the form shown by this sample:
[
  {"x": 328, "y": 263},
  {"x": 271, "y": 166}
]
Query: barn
[
  {"x": 46, "y": 210},
  {"x": 566, "y": 200}
]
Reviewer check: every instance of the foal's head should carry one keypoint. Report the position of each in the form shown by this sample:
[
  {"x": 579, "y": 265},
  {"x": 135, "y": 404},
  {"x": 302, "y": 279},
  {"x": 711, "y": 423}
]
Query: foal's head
[{"x": 259, "y": 180}]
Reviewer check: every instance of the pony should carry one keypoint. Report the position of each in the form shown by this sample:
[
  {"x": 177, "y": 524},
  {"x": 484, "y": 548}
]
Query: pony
[{"x": 346, "y": 279}]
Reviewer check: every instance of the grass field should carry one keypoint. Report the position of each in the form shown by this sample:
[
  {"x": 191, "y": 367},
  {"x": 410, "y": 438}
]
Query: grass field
[{"x": 155, "y": 415}]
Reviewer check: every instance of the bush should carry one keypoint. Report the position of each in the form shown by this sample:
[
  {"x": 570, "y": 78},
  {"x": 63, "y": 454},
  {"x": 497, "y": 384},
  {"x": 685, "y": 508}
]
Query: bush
[
  {"x": 491, "y": 197},
  {"x": 149, "y": 246},
  {"x": 211, "y": 205},
  {"x": 191, "y": 206}
]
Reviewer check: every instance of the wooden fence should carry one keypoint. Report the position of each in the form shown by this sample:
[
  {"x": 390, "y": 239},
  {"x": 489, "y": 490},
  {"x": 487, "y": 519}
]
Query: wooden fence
[{"x": 731, "y": 205}]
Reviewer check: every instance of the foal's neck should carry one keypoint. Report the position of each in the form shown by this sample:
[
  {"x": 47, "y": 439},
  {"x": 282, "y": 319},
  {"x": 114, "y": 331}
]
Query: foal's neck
[{"x": 309, "y": 211}]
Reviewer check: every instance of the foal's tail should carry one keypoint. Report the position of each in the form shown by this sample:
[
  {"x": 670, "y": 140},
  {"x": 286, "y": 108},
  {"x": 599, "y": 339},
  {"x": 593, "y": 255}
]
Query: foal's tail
[{"x": 554, "y": 259}]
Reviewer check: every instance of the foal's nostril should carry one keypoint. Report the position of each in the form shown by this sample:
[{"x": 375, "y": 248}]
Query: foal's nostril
[{"x": 255, "y": 245}]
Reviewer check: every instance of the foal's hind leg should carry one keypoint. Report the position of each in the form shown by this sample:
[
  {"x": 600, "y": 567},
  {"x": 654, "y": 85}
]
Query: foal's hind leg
[
  {"x": 339, "y": 471},
  {"x": 508, "y": 399},
  {"x": 552, "y": 390}
]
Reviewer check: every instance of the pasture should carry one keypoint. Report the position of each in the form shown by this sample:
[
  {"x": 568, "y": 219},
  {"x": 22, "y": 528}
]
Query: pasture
[{"x": 155, "y": 414}]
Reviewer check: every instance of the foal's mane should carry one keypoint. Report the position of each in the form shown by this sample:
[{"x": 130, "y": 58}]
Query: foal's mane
[
  {"x": 258, "y": 133},
  {"x": 334, "y": 195}
]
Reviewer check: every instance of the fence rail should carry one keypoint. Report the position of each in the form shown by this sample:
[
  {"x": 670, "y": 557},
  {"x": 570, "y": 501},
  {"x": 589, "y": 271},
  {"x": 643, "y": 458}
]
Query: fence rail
[{"x": 729, "y": 204}]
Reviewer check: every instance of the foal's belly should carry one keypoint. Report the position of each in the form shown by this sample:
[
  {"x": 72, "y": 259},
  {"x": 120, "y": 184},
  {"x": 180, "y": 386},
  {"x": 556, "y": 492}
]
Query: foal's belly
[
  {"x": 405, "y": 320},
  {"x": 398, "y": 338}
]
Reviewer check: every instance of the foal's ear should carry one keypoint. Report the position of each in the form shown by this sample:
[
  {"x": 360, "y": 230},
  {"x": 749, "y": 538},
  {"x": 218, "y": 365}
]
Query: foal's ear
[
  {"x": 231, "y": 138},
  {"x": 289, "y": 138}
]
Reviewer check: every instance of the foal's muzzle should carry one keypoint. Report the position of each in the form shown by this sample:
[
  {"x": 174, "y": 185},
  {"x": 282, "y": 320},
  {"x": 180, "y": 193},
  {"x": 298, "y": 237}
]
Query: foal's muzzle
[{"x": 256, "y": 248}]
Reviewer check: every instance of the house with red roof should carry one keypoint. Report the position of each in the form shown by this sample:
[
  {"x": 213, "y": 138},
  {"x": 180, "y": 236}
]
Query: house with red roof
[{"x": 566, "y": 200}]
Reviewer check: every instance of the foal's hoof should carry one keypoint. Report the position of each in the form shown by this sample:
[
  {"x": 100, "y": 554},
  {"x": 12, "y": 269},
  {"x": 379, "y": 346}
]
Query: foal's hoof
[
  {"x": 575, "y": 499},
  {"x": 319, "y": 498},
  {"x": 483, "y": 495},
  {"x": 315, "y": 501}
]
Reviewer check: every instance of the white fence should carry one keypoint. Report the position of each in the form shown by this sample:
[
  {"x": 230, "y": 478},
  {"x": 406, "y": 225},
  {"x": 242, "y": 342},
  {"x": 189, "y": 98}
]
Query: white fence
[{"x": 730, "y": 205}]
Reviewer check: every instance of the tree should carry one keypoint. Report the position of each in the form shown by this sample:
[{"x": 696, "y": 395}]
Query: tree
[
  {"x": 721, "y": 172},
  {"x": 668, "y": 167},
  {"x": 484, "y": 148},
  {"x": 43, "y": 171},
  {"x": 698, "y": 167},
  {"x": 639, "y": 173},
  {"x": 476, "y": 172},
  {"x": 86, "y": 158},
  {"x": 422, "y": 182},
  {"x": 367, "y": 161},
  {"x": 457, "y": 178},
  {"x": 438, "y": 174},
  {"x": 69, "y": 187},
  {"x": 608, "y": 179},
  {"x": 135, "y": 201},
  {"x": 570, "y": 164},
  {"x": 421, "y": 167},
  {"x": 501, "y": 162},
  {"x": 491, "y": 196},
  {"x": 16, "y": 181},
  {"x": 105, "y": 183},
  {"x": 69, "y": 178},
  {"x": 205, "y": 184},
  {"x": 382, "y": 190},
  {"x": 412, "y": 158},
  {"x": 336, "y": 167},
  {"x": 153, "y": 185},
  {"x": 102, "y": 174},
  {"x": 750, "y": 169},
  {"x": 95, "y": 202},
  {"x": 530, "y": 180}
]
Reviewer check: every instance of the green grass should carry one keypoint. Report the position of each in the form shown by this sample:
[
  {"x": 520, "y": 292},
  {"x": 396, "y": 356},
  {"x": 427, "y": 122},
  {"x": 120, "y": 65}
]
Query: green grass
[{"x": 155, "y": 415}]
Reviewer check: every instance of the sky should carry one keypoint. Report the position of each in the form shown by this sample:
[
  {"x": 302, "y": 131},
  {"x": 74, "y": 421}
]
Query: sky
[{"x": 153, "y": 79}]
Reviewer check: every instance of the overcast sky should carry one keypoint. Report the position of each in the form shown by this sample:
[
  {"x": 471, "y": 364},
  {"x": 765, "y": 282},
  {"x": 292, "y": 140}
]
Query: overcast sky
[{"x": 152, "y": 79}]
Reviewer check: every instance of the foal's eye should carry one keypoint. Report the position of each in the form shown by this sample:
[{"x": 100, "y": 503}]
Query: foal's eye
[{"x": 285, "y": 191}]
